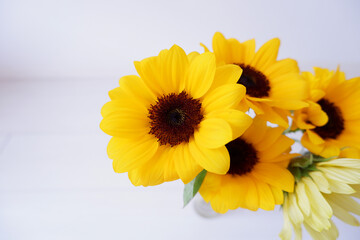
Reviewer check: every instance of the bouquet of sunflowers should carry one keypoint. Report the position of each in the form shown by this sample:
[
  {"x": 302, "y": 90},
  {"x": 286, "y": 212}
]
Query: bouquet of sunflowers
[{"x": 220, "y": 121}]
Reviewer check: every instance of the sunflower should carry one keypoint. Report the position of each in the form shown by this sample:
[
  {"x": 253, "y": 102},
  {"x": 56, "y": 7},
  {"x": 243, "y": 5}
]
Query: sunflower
[
  {"x": 272, "y": 87},
  {"x": 322, "y": 193},
  {"x": 332, "y": 120},
  {"x": 175, "y": 119},
  {"x": 257, "y": 174}
]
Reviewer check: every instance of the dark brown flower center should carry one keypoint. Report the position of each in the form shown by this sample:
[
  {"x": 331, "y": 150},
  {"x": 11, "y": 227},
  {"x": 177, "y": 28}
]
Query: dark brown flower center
[
  {"x": 335, "y": 125},
  {"x": 256, "y": 83},
  {"x": 243, "y": 157},
  {"x": 174, "y": 118}
]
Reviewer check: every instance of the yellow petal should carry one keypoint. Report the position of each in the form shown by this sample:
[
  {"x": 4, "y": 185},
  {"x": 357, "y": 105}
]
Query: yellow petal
[
  {"x": 288, "y": 104},
  {"x": 249, "y": 47},
  {"x": 350, "y": 152},
  {"x": 213, "y": 160},
  {"x": 157, "y": 170},
  {"x": 316, "y": 115},
  {"x": 125, "y": 122},
  {"x": 174, "y": 66},
  {"x": 149, "y": 70},
  {"x": 128, "y": 154},
  {"x": 232, "y": 192},
  {"x": 282, "y": 67},
  {"x": 257, "y": 107},
  {"x": 289, "y": 87},
  {"x": 238, "y": 120},
  {"x": 274, "y": 175},
  {"x": 330, "y": 150},
  {"x": 274, "y": 116},
  {"x": 278, "y": 194},
  {"x": 271, "y": 136},
  {"x": 316, "y": 94},
  {"x": 256, "y": 132},
  {"x": 223, "y": 97},
  {"x": 266, "y": 198},
  {"x": 219, "y": 204},
  {"x": 305, "y": 141},
  {"x": 237, "y": 51},
  {"x": 206, "y": 49},
  {"x": 185, "y": 165},
  {"x": 277, "y": 148},
  {"x": 266, "y": 55},
  {"x": 135, "y": 86},
  {"x": 192, "y": 56},
  {"x": 252, "y": 198},
  {"x": 210, "y": 186},
  {"x": 124, "y": 102},
  {"x": 314, "y": 138},
  {"x": 226, "y": 74},
  {"x": 221, "y": 48},
  {"x": 240, "y": 188},
  {"x": 213, "y": 133},
  {"x": 200, "y": 75}
]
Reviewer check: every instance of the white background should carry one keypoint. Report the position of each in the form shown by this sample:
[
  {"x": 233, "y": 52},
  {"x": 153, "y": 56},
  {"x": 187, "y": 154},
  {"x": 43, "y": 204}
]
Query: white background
[{"x": 58, "y": 60}]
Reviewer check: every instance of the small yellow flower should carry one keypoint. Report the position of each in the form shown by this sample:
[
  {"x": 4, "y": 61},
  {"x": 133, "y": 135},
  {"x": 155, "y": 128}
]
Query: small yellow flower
[
  {"x": 332, "y": 120},
  {"x": 317, "y": 197},
  {"x": 175, "y": 119},
  {"x": 272, "y": 87},
  {"x": 257, "y": 174}
]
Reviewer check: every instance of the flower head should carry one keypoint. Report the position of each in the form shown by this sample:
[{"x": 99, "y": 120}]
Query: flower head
[
  {"x": 332, "y": 119},
  {"x": 272, "y": 87},
  {"x": 257, "y": 174},
  {"x": 175, "y": 118},
  {"x": 324, "y": 189}
]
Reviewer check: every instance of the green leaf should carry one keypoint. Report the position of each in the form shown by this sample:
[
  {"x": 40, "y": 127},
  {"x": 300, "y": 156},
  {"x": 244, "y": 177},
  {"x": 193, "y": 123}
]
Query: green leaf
[
  {"x": 193, "y": 187},
  {"x": 198, "y": 181}
]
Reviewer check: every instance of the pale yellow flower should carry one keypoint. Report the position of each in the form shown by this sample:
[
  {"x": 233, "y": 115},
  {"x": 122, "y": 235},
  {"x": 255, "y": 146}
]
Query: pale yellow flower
[{"x": 319, "y": 196}]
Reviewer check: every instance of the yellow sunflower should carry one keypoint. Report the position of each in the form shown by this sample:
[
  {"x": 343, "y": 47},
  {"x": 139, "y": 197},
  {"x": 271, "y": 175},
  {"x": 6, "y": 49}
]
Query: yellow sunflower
[
  {"x": 257, "y": 174},
  {"x": 324, "y": 190},
  {"x": 272, "y": 87},
  {"x": 332, "y": 120},
  {"x": 175, "y": 119}
]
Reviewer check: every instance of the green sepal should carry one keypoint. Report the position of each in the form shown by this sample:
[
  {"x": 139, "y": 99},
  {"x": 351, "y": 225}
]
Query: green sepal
[
  {"x": 321, "y": 159},
  {"x": 296, "y": 172},
  {"x": 303, "y": 161},
  {"x": 193, "y": 187}
]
